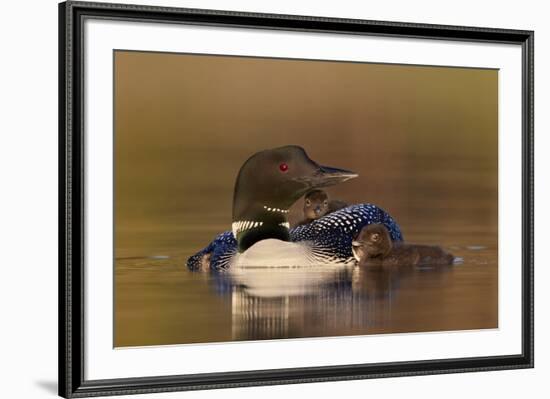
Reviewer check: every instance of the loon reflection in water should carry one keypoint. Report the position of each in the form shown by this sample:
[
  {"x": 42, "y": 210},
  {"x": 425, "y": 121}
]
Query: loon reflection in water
[{"x": 276, "y": 303}]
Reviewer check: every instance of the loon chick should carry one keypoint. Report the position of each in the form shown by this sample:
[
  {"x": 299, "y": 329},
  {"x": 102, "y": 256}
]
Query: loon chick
[
  {"x": 374, "y": 247},
  {"x": 317, "y": 204},
  {"x": 267, "y": 185}
]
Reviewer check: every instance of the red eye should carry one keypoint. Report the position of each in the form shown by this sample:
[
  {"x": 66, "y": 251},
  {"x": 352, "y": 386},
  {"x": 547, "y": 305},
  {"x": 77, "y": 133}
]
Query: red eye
[{"x": 283, "y": 167}]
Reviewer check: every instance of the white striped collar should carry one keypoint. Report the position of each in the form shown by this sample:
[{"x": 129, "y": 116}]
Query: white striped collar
[{"x": 243, "y": 225}]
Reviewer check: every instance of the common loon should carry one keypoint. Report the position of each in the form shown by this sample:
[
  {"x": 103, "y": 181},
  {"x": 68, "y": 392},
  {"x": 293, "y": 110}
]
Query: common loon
[
  {"x": 267, "y": 185},
  {"x": 374, "y": 247},
  {"x": 317, "y": 205}
]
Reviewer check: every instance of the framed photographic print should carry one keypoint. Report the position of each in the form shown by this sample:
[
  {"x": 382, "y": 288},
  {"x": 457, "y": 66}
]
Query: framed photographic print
[{"x": 251, "y": 199}]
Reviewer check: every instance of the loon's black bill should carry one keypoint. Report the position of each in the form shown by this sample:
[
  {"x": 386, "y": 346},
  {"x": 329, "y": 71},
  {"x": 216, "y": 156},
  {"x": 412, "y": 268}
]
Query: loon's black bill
[{"x": 326, "y": 176}]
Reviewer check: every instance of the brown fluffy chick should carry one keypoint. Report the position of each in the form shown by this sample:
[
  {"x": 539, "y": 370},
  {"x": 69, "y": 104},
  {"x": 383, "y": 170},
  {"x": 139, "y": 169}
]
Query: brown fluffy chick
[
  {"x": 373, "y": 246},
  {"x": 317, "y": 205}
]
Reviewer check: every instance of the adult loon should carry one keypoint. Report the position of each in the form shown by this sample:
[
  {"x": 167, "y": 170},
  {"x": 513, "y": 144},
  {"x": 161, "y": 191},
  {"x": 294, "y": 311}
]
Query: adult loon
[{"x": 267, "y": 185}]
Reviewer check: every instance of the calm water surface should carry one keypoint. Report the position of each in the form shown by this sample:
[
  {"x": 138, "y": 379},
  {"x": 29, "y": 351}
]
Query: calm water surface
[{"x": 158, "y": 301}]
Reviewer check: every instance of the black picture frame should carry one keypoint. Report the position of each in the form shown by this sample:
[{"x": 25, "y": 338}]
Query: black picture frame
[{"x": 71, "y": 200}]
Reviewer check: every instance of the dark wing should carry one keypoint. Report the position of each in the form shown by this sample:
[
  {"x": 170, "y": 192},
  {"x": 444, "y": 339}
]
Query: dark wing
[{"x": 331, "y": 235}]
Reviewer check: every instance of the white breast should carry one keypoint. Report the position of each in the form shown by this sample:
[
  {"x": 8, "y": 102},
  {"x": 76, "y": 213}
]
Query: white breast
[
  {"x": 273, "y": 268},
  {"x": 273, "y": 253}
]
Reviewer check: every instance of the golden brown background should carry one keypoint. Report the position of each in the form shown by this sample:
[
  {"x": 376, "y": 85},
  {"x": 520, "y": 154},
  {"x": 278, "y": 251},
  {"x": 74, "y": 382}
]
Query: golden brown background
[{"x": 423, "y": 140}]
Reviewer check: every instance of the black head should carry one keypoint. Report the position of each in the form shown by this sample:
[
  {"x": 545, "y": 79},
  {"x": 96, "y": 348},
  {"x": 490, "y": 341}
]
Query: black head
[
  {"x": 372, "y": 241},
  {"x": 315, "y": 204},
  {"x": 278, "y": 177}
]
